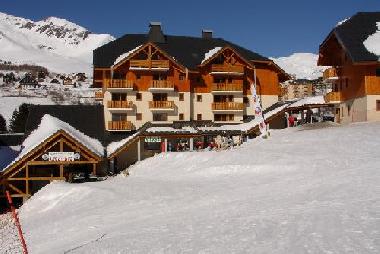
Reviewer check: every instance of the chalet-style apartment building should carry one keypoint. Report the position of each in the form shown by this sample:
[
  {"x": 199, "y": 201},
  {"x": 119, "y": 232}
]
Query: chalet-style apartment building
[
  {"x": 351, "y": 49},
  {"x": 162, "y": 79}
]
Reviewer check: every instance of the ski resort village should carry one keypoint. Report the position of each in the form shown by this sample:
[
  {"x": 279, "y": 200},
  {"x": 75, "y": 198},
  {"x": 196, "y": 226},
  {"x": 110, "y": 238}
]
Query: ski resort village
[{"x": 158, "y": 142}]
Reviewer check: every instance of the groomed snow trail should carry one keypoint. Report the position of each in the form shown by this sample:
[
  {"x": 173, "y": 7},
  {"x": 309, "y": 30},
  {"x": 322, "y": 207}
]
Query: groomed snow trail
[{"x": 301, "y": 191}]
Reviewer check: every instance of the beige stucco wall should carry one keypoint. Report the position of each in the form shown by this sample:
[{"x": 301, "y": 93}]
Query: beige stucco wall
[
  {"x": 372, "y": 114},
  {"x": 362, "y": 109}
]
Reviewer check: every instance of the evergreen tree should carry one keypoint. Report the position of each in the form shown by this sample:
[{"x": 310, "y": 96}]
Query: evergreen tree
[
  {"x": 18, "y": 120},
  {"x": 3, "y": 124}
]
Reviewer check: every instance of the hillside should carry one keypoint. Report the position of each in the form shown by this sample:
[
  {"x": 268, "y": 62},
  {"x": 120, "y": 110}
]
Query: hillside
[
  {"x": 301, "y": 191},
  {"x": 57, "y": 44},
  {"x": 301, "y": 65}
]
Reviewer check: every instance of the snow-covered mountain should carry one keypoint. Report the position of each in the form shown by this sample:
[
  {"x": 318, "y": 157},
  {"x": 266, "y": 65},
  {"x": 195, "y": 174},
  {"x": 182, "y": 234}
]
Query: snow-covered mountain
[
  {"x": 301, "y": 65},
  {"x": 57, "y": 44}
]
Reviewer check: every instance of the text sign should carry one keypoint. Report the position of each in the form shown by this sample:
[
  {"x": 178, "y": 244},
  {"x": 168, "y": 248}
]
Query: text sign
[
  {"x": 152, "y": 139},
  {"x": 61, "y": 156}
]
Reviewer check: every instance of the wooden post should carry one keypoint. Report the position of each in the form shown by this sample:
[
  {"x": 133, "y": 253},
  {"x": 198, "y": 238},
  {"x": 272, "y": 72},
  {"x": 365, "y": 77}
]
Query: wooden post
[
  {"x": 61, "y": 170},
  {"x": 94, "y": 169},
  {"x": 191, "y": 144},
  {"x": 138, "y": 149},
  {"x": 166, "y": 145},
  {"x": 27, "y": 179}
]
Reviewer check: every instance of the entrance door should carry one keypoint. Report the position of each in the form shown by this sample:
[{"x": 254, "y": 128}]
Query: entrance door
[{"x": 337, "y": 115}]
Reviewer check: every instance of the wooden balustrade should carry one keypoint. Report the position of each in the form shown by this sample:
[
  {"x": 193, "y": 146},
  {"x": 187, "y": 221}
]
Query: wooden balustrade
[
  {"x": 333, "y": 97},
  {"x": 330, "y": 73},
  {"x": 118, "y": 83},
  {"x": 119, "y": 104},
  {"x": 120, "y": 125},
  {"x": 150, "y": 64},
  {"x": 166, "y": 84},
  {"x": 227, "y": 68},
  {"x": 227, "y": 106},
  {"x": 161, "y": 104},
  {"x": 227, "y": 87},
  {"x": 372, "y": 85},
  {"x": 99, "y": 95}
]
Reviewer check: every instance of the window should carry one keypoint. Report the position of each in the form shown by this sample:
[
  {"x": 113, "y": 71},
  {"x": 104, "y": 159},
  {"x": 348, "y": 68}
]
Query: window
[
  {"x": 138, "y": 116},
  {"x": 181, "y": 97},
  {"x": 138, "y": 96},
  {"x": 160, "y": 97},
  {"x": 223, "y": 117},
  {"x": 198, "y": 79},
  {"x": 160, "y": 117},
  {"x": 199, "y": 117},
  {"x": 348, "y": 110},
  {"x": 159, "y": 77},
  {"x": 181, "y": 76},
  {"x": 138, "y": 76},
  {"x": 346, "y": 82},
  {"x": 378, "y": 72},
  {"x": 119, "y": 117},
  {"x": 377, "y": 105},
  {"x": 199, "y": 97},
  {"x": 181, "y": 117},
  {"x": 119, "y": 96},
  {"x": 223, "y": 98},
  {"x": 246, "y": 100}
]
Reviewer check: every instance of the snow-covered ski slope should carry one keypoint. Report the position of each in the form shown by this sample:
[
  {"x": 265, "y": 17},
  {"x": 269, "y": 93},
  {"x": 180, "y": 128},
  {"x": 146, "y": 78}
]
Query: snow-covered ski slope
[{"x": 304, "y": 190}]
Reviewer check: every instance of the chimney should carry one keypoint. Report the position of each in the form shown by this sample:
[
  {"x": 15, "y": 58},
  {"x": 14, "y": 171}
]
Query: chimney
[
  {"x": 206, "y": 34},
  {"x": 155, "y": 33}
]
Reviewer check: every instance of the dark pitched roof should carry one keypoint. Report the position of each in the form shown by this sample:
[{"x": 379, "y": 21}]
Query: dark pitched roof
[
  {"x": 88, "y": 119},
  {"x": 353, "y": 32},
  {"x": 189, "y": 51}
]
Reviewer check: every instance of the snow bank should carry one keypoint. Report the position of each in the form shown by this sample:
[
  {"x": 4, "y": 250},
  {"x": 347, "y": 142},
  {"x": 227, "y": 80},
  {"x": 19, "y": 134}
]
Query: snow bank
[
  {"x": 372, "y": 43},
  {"x": 300, "y": 191},
  {"x": 50, "y": 125},
  {"x": 210, "y": 53}
]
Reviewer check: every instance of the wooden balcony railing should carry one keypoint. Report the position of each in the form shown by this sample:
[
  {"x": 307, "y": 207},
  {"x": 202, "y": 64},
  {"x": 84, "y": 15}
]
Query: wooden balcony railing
[
  {"x": 161, "y": 104},
  {"x": 333, "y": 97},
  {"x": 99, "y": 95},
  {"x": 330, "y": 74},
  {"x": 227, "y": 106},
  {"x": 372, "y": 85},
  {"x": 119, "y": 104},
  {"x": 227, "y": 87},
  {"x": 120, "y": 125},
  {"x": 227, "y": 68},
  {"x": 118, "y": 83},
  {"x": 149, "y": 64},
  {"x": 162, "y": 84}
]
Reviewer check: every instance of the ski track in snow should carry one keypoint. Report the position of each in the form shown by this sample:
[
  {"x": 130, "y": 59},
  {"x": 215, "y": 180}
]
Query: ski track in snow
[{"x": 300, "y": 191}]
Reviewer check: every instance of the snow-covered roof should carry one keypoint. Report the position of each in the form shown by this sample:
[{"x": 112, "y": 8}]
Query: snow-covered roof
[
  {"x": 112, "y": 147},
  {"x": 126, "y": 55},
  {"x": 49, "y": 126},
  {"x": 308, "y": 101},
  {"x": 210, "y": 53},
  {"x": 186, "y": 129},
  {"x": 372, "y": 43}
]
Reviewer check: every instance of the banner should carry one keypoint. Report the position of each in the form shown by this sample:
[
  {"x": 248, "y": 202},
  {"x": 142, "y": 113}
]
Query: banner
[
  {"x": 258, "y": 110},
  {"x": 61, "y": 156}
]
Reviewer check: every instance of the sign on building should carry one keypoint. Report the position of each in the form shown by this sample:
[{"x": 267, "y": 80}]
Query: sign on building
[{"x": 61, "y": 156}]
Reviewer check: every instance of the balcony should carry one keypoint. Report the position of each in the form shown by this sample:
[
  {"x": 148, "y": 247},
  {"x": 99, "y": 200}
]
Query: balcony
[
  {"x": 161, "y": 105},
  {"x": 120, "y": 126},
  {"x": 99, "y": 95},
  {"x": 223, "y": 88},
  {"x": 227, "y": 106},
  {"x": 118, "y": 85},
  {"x": 159, "y": 65},
  {"x": 372, "y": 85},
  {"x": 227, "y": 69},
  {"x": 119, "y": 106},
  {"x": 161, "y": 85},
  {"x": 333, "y": 97},
  {"x": 330, "y": 74}
]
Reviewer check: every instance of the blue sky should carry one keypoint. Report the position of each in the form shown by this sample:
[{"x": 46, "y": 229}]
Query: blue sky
[{"x": 272, "y": 28}]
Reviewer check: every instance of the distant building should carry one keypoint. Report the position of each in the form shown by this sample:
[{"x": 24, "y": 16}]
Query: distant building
[
  {"x": 355, "y": 76},
  {"x": 28, "y": 81},
  {"x": 296, "y": 89}
]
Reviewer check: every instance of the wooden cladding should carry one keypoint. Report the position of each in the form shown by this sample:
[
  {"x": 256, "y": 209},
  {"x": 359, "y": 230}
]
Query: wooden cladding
[
  {"x": 166, "y": 84},
  {"x": 149, "y": 64},
  {"x": 227, "y": 68},
  {"x": 333, "y": 97},
  {"x": 330, "y": 73},
  {"x": 118, "y": 83},
  {"x": 119, "y": 104},
  {"x": 120, "y": 125},
  {"x": 99, "y": 95},
  {"x": 222, "y": 87},
  {"x": 227, "y": 106},
  {"x": 161, "y": 104},
  {"x": 372, "y": 85}
]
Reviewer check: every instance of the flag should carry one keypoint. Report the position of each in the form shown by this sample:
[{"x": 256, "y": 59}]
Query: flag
[{"x": 258, "y": 111}]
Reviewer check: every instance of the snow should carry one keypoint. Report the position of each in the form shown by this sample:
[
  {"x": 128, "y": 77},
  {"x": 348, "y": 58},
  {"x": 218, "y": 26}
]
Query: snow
[
  {"x": 9, "y": 104},
  {"x": 342, "y": 21},
  {"x": 303, "y": 190},
  {"x": 372, "y": 43},
  {"x": 112, "y": 147},
  {"x": 308, "y": 101},
  {"x": 55, "y": 43},
  {"x": 171, "y": 129},
  {"x": 301, "y": 65},
  {"x": 210, "y": 53},
  {"x": 126, "y": 55},
  {"x": 49, "y": 126}
]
